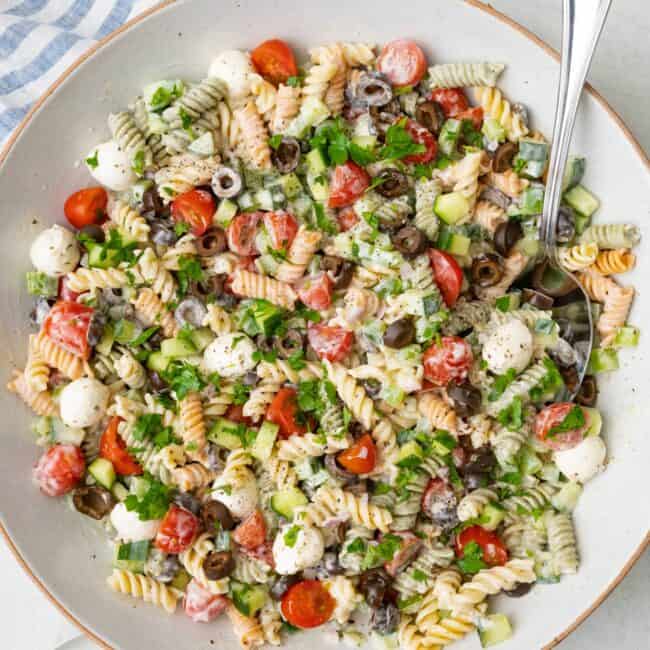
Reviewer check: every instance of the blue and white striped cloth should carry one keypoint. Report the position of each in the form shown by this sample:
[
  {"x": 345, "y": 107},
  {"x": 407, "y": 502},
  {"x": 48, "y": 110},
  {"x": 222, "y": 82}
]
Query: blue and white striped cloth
[{"x": 39, "y": 39}]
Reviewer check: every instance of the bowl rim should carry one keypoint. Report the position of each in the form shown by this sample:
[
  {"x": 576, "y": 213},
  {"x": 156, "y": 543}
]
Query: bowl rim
[{"x": 477, "y": 4}]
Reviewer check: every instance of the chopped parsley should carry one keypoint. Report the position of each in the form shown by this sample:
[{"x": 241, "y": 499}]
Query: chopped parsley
[
  {"x": 189, "y": 268},
  {"x": 384, "y": 551},
  {"x": 501, "y": 382},
  {"x": 399, "y": 143},
  {"x": 294, "y": 81},
  {"x": 144, "y": 337},
  {"x": 181, "y": 227},
  {"x": 138, "y": 163},
  {"x": 472, "y": 560},
  {"x": 358, "y": 545},
  {"x": 333, "y": 142},
  {"x": 512, "y": 417},
  {"x": 112, "y": 252},
  {"x": 183, "y": 378},
  {"x": 297, "y": 360},
  {"x": 503, "y": 303},
  {"x": 291, "y": 536},
  {"x": 308, "y": 314},
  {"x": 275, "y": 141},
  {"x": 574, "y": 419},
  {"x": 92, "y": 161},
  {"x": 423, "y": 170},
  {"x": 154, "y": 502},
  {"x": 323, "y": 222},
  {"x": 261, "y": 355},
  {"x": 241, "y": 393},
  {"x": 149, "y": 426}
]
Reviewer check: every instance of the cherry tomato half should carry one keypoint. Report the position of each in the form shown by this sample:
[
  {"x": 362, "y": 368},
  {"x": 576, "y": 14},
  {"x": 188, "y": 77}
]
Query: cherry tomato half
[
  {"x": 474, "y": 114},
  {"x": 281, "y": 228},
  {"x": 177, "y": 531},
  {"x": 251, "y": 533},
  {"x": 448, "y": 361},
  {"x": 195, "y": 208},
  {"x": 452, "y": 100},
  {"x": 59, "y": 470},
  {"x": 283, "y": 410},
  {"x": 67, "y": 324},
  {"x": 307, "y": 604},
  {"x": 316, "y": 292},
  {"x": 448, "y": 275},
  {"x": 494, "y": 551},
  {"x": 349, "y": 182},
  {"x": 329, "y": 341},
  {"x": 86, "y": 207},
  {"x": 403, "y": 62},
  {"x": 113, "y": 448},
  {"x": 242, "y": 231},
  {"x": 347, "y": 218},
  {"x": 361, "y": 457},
  {"x": 552, "y": 416},
  {"x": 424, "y": 137},
  {"x": 275, "y": 61},
  {"x": 65, "y": 293},
  {"x": 201, "y": 605}
]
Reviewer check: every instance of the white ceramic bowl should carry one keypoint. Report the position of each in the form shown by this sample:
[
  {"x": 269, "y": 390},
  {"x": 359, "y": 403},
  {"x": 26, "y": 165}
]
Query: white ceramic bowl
[{"x": 66, "y": 555}]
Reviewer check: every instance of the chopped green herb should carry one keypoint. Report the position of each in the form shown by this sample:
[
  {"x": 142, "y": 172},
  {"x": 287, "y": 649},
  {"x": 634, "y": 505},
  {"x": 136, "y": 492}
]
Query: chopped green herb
[
  {"x": 150, "y": 426},
  {"x": 181, "y": 227},
  {"x": 512, "y": 416},
  {"x": 399, "y": 143},
  {"x": 291, "y": 536},
  {"x": 501, "y": 382},
  {"x": 275, "y": 141},
  {"x": 92, "y": 161},
  {"x": 384, "y": 551},
  {"x": 405, "y": 603},
  {"x": 294, "y": 81},
  {"x": 357, "y": 545},
  {"x": 183, "y": 378},
  {"x": 421, "y": 170},
  {"x": 153, "y": 504},
  {"x": 363, "y": 156},
  {"x": 514, "y": 478},
  {"x": 138, "y": 163},
  {"x": 297, "y": 360},
  {"x": 241, "y": 393},
  {"x": 323, "y": 222},
  {"x": 261, "y": 355},
  {"x": 144, "y": 337},
  {"x": 503, "y": 303},
  {"x": 574, "y": 419},
  {"x": 472, "y": 560},
  {"x": 189, "y": 268}
]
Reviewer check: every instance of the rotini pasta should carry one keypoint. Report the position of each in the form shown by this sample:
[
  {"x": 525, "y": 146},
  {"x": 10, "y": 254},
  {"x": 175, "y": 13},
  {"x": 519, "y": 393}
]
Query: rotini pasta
[{"x": 454, "y": 75}]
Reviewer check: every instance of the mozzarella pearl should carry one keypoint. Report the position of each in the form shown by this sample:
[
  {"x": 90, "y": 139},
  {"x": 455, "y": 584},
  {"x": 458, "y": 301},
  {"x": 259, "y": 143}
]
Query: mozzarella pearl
[
  {"x": 238, "y": 492},
  {"x": 83, "y": 402},
  {"x": 584, "y": 461},
  {"x": 130, "y": 528},
  {"x": 307, "y": 550},
  {"x": 509, "y": 346},
  {"x": 114, "y": 166},
  {"x": 234, "y": 68},
  {"x": 231, "y": 355},
  {"x": 55, "y": 252}
]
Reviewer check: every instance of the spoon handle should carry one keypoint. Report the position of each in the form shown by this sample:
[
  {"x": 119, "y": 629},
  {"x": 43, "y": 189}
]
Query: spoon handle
[{"x": 583, "y": 22}]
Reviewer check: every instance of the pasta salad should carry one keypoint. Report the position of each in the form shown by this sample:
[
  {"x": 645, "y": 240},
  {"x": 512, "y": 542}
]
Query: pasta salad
[{"x": 298, "y": 350}]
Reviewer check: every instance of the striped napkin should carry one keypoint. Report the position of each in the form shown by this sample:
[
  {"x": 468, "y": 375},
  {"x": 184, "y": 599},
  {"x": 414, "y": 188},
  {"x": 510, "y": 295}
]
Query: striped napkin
[{"x": 39, "y": 39}]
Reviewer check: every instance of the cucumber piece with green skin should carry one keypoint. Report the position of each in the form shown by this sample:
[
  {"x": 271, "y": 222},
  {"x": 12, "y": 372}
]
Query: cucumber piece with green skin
[
  {"x": 603, "y": 360},
  {"x": 125, "y": 331},
  {"x": 103, "y": 472},
  {"x": 39, "y": 284},
  {"x": 449, "y": 135},
  {"x": 106, "y": 342},
  {"x": 181, "y": 580},
  {"x": 493, "y": 131},
  {"x": 458, "y": 244},
  {"x": 312, "y": 112},
  {"x": 494, "y": 629},
  {"x": 176, "y": 348},
  {"x": 284, "y": 502},
  {"x": 102, "y": 258},
  {"x": 202, "y": 337},
  {"x": 574, "y": 171},
  {"x": 120, "y": 491},
  {"x": 530, "y": 201},
  {"x": 67, "y": 435},
  {"x": 42, "y": 427},
  {"x": 264, "y": 199},
  {"x": 567, "y": 498},
  {"x": 263, "y": 445},
  {"x": 132, "y": 556},
  {"x": 225, "y": 212},
  {"x": 492, "y": 516},
  {"x": 451, "y": 207},
  {"x": 223, "y": 433},
  {"x": 316, "y": 163},
  {"x": 158, "y": 362},
  {"x": 246, "y": 202},
  {"x": 318, "y": 186},
  {"x": 627, "y": 337},
  {"x": 365, "y": 141},
  {"x": 408, "y": 452},
  {"x": 291, "y": 185},
  {"x": 248, "y": 599},
  {"x": 303, "y": 206},
  {"x": 595, "y": 421},
  {"x": 253, "y": 179},
  {"x": 139, "y": 486},
  {"x": 581, "y": 200},
  {"x": 529, "y": 461},
  {"x": 581, "y": 223},
  {"x": 534, "y": 157}
]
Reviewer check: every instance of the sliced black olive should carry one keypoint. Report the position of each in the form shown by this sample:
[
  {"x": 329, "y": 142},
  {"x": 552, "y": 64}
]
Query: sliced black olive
[
  {"x": 474, "y": 480},
  {"x": 188, "y": 502},
  {"x": 280, "y": 586},
  {"x": 481, "y": 460},
  {"x": 156, "y": 381},
  {"x": 385, "y": 619},
  {"x": 372, "y": 387},
  {"x": 467, "y": 399},
  {"x": 340, "y": 270},
  {"x": 400, "y": 333},
  {"x": 209, "y": 286},
  {"x": 330, "y": 563},
  {"x": 162, "y": 567},
  {"x": 94, "y": 232},
  {"x": 286, "y": 155},
  {"x": 503, "y": 156},
  {"x": 519, "y": 590},
  {"x": 439, "y": 503},
  {"x": 430, "y": 115},
  {"x": 493, "y": 195},
  {"x": 226, "y": 182},
  {"x": 373, "y": 90},
  {"x": 211, "y": 242},
  {"x": 566, "y": 224},
  {"x": 151, "y": 201},
  {"x": 588, "y": 393},
  {"x": 409, "y": 241},
  {"x": 487, "y": 270},
  {"x": 570, "y": 376},
  {"x": 250, "y": 378},
  {"x": 373, "y": 585},
  {"x": 96, "y": 328},
  {"x": 264, "y": 344},
  {"x": 213, "y": 513},
  {"x": 190, "y": 311},
  {"x": 506, "y": 236},
  {"x": 289, "y": 343},
  {"x": 218, "y": 564},
  {"x": 393, "y": 183},
  {"x": 537, "y": 299},
  {"x": 546, "y": 279},
  {"x": 93, "y": 501},
  {"x": 163, "y": 235}
]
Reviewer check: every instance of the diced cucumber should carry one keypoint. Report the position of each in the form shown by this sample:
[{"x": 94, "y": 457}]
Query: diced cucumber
[
  {"x": 267, "y": 316},
  {"x": 595, "y": 420},
  {"x": 204, "y": 145},
  {"x": 103, "y": 472},
  {"x": 223, "y": 433},
  {"x": 303, "y": 206},
  {"x": 264, "y": 199},
  {"x": 494, "y": 629},
  {"x": 139, "y": 486},
  {"x": 409, "y": 454},
  {"x": 102, "y": 258},
  {"x": 67, "y": 435},
  {"x": 574, "y": 171},
  {"x": 253, "y": 179},
  {"x": 492, "y": 516},
  {"x": 181, "y": 580},
  {"x": 318, "y": 186},
  {"x": 291, "y": 185},
  {"x": 42, "y": 427},
  {"x": 458, "y": 244},
  {"x": 225, "y": 212},
  {"x": 528, "y": 246},
  {"x": 451, "y": 207},
  {"x": 120, "y": 492},
  {"x": 316, "y": 163},
  {"x": 312, "y": 112},
  {"x": 627, "y": 337},
  {"x": 529, "y": 461},
  {"x": 39, "y": 284},
  {"x": 284, "y": 502},
  {"x": 531, "y": 201},
  {"x": 176, "y": 348},
  {"x": 534, "y": 156},
  {"x": 567, "y": 498},
  {"x": 131, "y": 557},
  {"x": 493, "y": 131},
  {"x": 246, "y": 201},
  {"x": 248, "y": 599},
  {"x": 106, "y": 342},
  {"x": 582, "y": 222},
  {"x": 263, "y": 445},
  {"x": 158, "y": 362},
  {"x": 449, "y": 135},
  {"x": 582, "y": 200},
  {"x": 603, "y": 360},
  {"x": 278, "y": 197},
  {"x": 125, "y": 331},
  {"x": 201, "y": 337},
  {"x": 365, "y": 141}
]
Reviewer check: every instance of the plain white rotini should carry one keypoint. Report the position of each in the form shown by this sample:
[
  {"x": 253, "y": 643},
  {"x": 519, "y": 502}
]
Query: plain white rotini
[
  {"x": 183, "y": 173},
  {"x": 456, "y": 75},
  {"x": 84, "y": 279},
  {"x": 472, "y": 504},
  {"x": 578, "y": 257},
  {"x": 352, "y": 394},
  {"x": 359, "y": 508},
  {"x": 287, "y": 105},
  {"x": 130, "y": 222},
  {"x": 310, "y": 445},
  {"x": 562, "y": 542},
  {"x": 154, "y": 273},
  {"x": 128, "y": 136},
  {"x": 37, "y": 372},
  {"x": 55, "y": 356},
  {"x": 130, "y": 371},
  {"x": 437, "y": 412},
  {"x": 426, "y": 192},
  {"x": 193, "y": 425},
  {"x": 611, "y": 236}
]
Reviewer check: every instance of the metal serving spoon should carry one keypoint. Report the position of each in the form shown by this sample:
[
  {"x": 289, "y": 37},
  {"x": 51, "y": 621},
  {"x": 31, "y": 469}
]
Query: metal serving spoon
[{"x": 583, "y": 22}]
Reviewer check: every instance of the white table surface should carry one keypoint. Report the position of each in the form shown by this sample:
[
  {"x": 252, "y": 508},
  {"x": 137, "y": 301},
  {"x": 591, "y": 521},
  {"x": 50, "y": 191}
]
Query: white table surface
[{"x": 621, "y": 73}]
